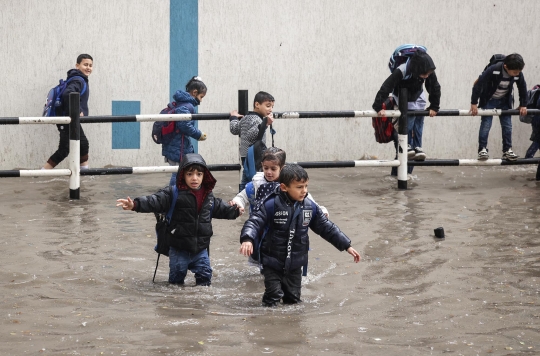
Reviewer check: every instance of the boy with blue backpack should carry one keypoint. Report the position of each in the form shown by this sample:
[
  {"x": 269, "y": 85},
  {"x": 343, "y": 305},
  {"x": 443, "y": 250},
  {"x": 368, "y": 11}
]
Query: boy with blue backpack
[
  {"x": 58, "y": 105},
  {"x": 278, "y": 233},
  {"x": 251, "y": 129},
  {"x": 494, "y": 88},
  {"x": 190, "y": 227},
  {"x": 412, "y": 68}
]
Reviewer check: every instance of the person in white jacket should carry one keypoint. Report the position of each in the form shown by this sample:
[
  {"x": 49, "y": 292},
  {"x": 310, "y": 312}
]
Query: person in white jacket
[{"x": 272, "y": 162}]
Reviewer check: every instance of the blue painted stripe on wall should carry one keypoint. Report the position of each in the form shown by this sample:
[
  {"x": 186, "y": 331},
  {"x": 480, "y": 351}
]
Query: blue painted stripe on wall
[
  {"x": 184, "y": 46},
  {"x": 126, "y": 135}
]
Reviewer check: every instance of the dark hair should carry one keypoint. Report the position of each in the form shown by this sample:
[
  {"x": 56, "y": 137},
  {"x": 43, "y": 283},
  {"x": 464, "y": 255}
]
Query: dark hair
[
  {"x": 80, "y": 57},
  {"x": 514, "y": 61},
  {"x": 421, "y": 63},
  {"x": 261, "y": 97},
  {"x": 292, "y": 172},
  {"x": 195, "y": 83},
  {"x": 194, "y": 167},
  {"x": 274, "y": 154}
]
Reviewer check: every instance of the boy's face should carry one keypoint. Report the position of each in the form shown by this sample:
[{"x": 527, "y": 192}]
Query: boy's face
[
  {"x": 264, "y": 109},
  {"x": 512, "y": 72},
  {"x": 193, "y": 179},
  {"x": 297, "y": 190},
  {"x": 85, "y": 66}
]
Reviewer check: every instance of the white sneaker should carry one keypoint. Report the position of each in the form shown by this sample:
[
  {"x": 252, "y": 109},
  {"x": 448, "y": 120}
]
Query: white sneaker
[
  {"x": 419, "y": 155},
  {"x": 483, "y": 154},
  {"x": 510, "y": 155}
]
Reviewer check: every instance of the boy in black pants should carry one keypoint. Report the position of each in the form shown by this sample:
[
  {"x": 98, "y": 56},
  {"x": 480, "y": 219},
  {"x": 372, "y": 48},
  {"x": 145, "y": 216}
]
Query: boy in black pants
[
  {"x": 279, "y": 230},
  {"x": 79, "y": 84}
]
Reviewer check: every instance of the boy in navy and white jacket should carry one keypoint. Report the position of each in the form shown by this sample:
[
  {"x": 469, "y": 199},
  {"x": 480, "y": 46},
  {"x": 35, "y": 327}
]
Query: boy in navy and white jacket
[
  {"x": 278, "y": 231},
  {"x": 494, "y": 88}
]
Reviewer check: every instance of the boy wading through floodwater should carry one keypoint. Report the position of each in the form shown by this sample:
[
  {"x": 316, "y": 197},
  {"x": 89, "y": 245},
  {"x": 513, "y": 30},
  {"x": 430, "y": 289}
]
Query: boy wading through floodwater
[
  {"x": 278, "y": 231},
  {"x": 191, "y": 222}
]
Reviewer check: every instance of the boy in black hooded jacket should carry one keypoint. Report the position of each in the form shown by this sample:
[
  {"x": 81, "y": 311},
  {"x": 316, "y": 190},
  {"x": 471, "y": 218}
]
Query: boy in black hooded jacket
[
  {"x": 419, "y": 71},
  {"x": 191, "y": 222}
]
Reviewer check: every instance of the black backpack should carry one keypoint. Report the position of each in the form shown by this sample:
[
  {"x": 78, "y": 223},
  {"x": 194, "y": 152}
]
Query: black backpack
[
  {"x": 532, "y": 99},
  {"x": 496, "y": 58},
  {"x": 162, "y": 230}
]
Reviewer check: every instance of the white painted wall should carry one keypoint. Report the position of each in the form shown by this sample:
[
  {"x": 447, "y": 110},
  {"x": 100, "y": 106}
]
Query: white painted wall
[
  {"x": 40, "y": 41},
  {"x": 311, "y": 55},
  {"x": 333, "y": 55}
]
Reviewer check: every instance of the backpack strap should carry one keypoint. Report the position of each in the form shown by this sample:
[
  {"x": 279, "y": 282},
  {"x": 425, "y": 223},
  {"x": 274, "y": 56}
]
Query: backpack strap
[
  {"x": 313, "y": 208},
  {"x": 250, "y": 192},
  {"x": 249, "y": 163},
  {"x": 269, "y": 205},
  {"x": 173, "y": 203},
  {"x": 82, "y": 80}
]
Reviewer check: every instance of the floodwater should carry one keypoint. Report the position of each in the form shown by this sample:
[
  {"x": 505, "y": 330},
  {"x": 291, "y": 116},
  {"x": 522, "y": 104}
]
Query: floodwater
[{"x": 76, "y": 276}]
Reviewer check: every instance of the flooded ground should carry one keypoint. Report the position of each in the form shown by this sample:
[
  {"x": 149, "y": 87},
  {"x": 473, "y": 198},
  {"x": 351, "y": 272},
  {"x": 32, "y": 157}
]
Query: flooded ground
[{"x": 76, "y": 276}]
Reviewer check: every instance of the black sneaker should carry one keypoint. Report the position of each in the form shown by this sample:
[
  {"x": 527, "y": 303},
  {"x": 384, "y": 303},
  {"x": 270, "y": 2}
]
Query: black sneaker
[
  {"x": 419, "y": 155},
  {"x": 410, "y": 152}
]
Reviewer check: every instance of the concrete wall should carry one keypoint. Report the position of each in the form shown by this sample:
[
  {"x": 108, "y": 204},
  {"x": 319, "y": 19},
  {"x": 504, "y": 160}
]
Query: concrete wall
[{"x": 311, "y": 55}]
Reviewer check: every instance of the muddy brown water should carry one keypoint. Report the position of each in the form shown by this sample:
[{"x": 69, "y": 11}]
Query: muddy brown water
[{"x": 76, "y": 276}]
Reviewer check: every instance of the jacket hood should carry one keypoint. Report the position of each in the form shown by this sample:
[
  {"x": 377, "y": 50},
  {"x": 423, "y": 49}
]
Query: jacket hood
[
  {"x": 76, "y": 72},
  {"x": 421, "y": 63},
  {"x": 208, "y": 183},
  {"x": 184, "y": 97}
]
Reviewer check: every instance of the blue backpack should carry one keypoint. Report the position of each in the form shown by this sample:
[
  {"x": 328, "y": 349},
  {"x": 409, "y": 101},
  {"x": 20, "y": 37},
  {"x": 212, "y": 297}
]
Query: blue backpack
[
  {"x": 402, "y": 55},
  {"x": 54, "y": 98},
  {"x": 164, "y": 131},
  {"x": 253, "y": 162}
]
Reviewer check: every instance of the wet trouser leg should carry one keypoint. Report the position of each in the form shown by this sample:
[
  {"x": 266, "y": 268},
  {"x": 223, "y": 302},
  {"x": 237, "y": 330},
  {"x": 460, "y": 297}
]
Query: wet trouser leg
[{"x": 279, "y": 284}]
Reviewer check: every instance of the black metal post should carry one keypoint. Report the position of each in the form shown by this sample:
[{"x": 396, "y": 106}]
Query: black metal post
[
  {"x": 74, "y": 146},
  {"x": 243, "y": 103},
  {"x": 243, "y": 108}
]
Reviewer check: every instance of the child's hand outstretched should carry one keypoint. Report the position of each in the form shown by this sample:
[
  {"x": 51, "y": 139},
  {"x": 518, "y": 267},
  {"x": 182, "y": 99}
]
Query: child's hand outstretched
[
  {"x": 238, "y": 206},
  {"x": 126, "y": 204},
  {"x": 353, "y": 252},
  {"x": 247, "y": 248}
]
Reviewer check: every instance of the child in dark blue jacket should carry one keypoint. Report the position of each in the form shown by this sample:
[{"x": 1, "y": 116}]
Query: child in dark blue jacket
[
  {"x": 191, "y": 222},
  {"x": 184, "y": 103},
  {"x": 278, "y": 232},
  {"x": 81, "y": 72},
  {"x": 494, "y": 88}
]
